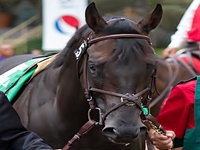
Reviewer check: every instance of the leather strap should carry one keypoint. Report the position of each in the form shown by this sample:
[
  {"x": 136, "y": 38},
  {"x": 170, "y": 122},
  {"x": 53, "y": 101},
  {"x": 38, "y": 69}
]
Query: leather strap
[
  {"x": 151, "y": 122},
  {"x": 127, "y": 98},
  {"x": 116, "y": 36},
  {"x": 171, "y": 79},
  {"x": 83, "y": 130}
]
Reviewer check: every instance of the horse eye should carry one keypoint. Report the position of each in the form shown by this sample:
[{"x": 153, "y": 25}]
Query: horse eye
[{"x": 92, "y": 69}]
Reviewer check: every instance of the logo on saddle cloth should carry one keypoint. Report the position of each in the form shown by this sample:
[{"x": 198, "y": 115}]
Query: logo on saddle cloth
[{"x": 13, "y": 80}]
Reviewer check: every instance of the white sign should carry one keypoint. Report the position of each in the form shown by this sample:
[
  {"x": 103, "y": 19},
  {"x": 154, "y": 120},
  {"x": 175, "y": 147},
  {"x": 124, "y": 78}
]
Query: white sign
[{"x": 61, "y": 18}]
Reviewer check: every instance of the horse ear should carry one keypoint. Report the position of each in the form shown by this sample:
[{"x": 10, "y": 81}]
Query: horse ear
[
  {"x": 151, "y": 21},
  {"x": 94, "y": 20}
]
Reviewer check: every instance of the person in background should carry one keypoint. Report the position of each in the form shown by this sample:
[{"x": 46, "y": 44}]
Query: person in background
[
  {"x": 188, "y": 31},
  {"x": 180, "y": 116},
  {"x": 6, "y": 51},
  {"x": 36, "y": 52}
]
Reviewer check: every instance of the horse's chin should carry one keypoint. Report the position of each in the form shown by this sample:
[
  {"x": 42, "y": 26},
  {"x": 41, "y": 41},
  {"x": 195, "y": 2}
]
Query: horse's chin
[{"x": 118, "y": 142}]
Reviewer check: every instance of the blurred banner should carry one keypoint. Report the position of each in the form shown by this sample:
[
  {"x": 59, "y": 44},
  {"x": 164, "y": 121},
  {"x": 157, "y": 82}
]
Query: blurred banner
[{"x": 61, "y": 18}]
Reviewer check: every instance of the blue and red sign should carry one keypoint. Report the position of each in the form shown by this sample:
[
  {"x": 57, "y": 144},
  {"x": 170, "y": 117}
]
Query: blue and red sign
[{"x": 66, "y": 24}]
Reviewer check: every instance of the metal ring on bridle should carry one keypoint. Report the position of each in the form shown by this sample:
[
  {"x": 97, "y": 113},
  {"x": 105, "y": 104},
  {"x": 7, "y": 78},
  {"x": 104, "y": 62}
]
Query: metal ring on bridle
[
  {"x": 128, "y": 103},
  {"x": 100, "y": 121}
]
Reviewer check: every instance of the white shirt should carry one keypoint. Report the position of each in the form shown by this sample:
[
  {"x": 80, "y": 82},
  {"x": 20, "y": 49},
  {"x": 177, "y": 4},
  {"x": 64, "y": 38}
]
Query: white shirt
[{"x": 179, "y": 38}]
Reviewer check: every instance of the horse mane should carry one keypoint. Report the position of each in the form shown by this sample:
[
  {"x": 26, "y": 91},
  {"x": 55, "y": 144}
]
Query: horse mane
[{"x": 74, "y": 43}]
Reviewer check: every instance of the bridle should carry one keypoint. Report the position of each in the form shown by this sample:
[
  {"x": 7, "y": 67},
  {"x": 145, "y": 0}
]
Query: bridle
[
  {"x": 177, "y": 61},
  {"x": 126, "y": 99}
]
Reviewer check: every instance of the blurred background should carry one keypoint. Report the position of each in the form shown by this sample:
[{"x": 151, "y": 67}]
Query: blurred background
[{"x": 21, "y": 20}]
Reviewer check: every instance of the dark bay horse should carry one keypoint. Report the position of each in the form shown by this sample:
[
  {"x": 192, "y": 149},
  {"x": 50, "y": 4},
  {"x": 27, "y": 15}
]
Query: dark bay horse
[
  {"x": 108, "y": 63},
  {"x": 113, "y": 74}
]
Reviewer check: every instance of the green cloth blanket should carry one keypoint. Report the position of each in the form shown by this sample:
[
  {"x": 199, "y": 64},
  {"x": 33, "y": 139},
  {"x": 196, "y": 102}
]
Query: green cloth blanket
[{"x": 13, "y": 80}]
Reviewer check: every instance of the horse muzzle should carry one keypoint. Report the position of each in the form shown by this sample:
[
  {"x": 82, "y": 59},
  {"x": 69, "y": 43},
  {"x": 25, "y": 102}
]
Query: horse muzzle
[{"x": 123, "y": 134}]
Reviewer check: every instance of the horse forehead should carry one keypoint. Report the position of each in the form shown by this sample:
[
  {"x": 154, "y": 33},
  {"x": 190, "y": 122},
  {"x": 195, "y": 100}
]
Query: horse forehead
[{"x": 101, "y": 51}]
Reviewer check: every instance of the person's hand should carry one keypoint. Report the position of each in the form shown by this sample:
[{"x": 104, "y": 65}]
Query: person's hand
[
  {"x": 161, "y": 141},
  {"x": 169, "y": 51}
]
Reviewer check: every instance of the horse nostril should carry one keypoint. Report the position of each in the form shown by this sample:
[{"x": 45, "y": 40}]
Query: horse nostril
[{"x": 110, "y": 132}]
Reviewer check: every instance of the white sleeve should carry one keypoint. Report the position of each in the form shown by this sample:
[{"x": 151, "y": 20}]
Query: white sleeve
[{"x": 179, "y": 38}]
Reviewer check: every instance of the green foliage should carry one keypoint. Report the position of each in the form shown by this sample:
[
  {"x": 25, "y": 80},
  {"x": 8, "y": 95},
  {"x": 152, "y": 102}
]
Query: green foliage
[
  {"x": 35, "y": 44},
  {"x": 159, "y": 51},
  {"x": 29, "y": 46},
  {"x": 173, "y": 11},
  {"x": 182, "y": 3},
  {"x": 171, "y": 17},
  {"x": 105, "y": 6}
]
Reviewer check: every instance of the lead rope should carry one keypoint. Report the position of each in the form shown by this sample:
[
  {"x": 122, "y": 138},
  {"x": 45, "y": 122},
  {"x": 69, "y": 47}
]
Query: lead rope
[{"x": 83, "y": 130}]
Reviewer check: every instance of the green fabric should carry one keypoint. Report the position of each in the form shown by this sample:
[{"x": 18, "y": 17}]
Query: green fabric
[
  {"x": 15, "y": 89},
  {"x": 197, "y": 110},
  {"x": 145, "y": 111},
  {"x": 192, "y": 136},
  {"x": 12, "y": 80}
]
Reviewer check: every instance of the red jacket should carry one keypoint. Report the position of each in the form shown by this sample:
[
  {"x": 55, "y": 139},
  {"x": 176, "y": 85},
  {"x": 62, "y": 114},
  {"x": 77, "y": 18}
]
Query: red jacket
[
  {"x": 177, "y": 114},
  {"x": 194, "y": 32}
]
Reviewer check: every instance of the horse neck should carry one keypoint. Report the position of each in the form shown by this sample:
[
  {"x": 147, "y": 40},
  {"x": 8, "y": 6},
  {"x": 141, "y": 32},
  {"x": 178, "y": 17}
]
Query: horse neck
[
  {"x": 168, "y": 75},
  {"x": 70, "y": 91}
]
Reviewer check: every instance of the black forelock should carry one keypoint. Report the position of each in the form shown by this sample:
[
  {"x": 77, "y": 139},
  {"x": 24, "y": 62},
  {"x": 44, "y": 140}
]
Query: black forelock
[
  {"x": 79, "y": 36},
  {"x": 132, "y": 46},
  {"x": 128, "y": 47}
]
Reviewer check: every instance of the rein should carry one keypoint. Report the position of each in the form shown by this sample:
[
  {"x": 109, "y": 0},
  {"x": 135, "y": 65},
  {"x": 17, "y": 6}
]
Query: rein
[
  {"x": 172, "y": 76},
  {"x": 171, "y": 80},
  {"x": 126, "y": 99}
]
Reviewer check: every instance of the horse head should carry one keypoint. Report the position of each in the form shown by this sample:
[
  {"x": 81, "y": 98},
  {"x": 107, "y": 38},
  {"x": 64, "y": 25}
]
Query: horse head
[{"x": 118, "y": 71}]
